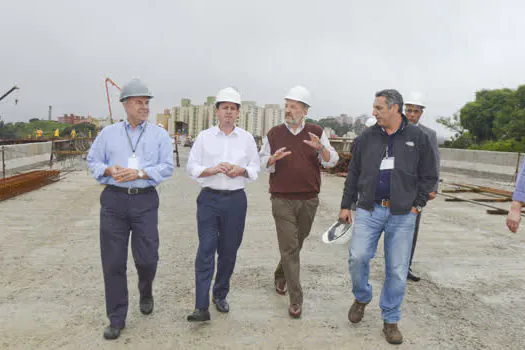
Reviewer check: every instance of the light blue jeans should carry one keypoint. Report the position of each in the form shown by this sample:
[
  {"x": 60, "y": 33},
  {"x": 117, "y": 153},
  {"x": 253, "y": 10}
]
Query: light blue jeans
[{"x": 399, "y": 231}]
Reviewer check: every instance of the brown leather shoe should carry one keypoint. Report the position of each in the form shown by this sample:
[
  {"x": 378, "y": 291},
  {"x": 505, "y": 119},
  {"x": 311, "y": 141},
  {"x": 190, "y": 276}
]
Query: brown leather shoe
[
  {"x": 392, "y": 333},
  {"x": 356, "y": 312},
  {"x": 280, "y": 287},
  {"x": 295, "y": 310}
]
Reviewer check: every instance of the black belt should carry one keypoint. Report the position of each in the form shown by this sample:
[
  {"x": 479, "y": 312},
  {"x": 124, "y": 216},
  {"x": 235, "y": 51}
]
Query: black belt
[
  {"x": 222, "y": 192},
  {"x": 131, "y": 190}
]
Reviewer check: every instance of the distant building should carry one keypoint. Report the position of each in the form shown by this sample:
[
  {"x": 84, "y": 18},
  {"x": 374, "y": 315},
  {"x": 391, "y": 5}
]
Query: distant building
[
  {"x": 191, "y": 119},
  {"x": 74, "y": 119},
  {"x": 273, "y": 115}
]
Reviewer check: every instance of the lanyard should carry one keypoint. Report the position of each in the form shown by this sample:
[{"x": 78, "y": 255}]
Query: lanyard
[{"x": 133, "y": 149}]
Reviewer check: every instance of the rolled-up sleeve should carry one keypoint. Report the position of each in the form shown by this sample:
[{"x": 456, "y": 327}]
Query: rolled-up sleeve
[
  {"x": 519, "y": 191},
  {"x": 334, "y": 156},
  {"x": 96, "y": 158},
  {"x": 253, "y": 166},
  {"x": 194, "y": 168},
  {"x": 264, "y": 154},
  {"x": 164, "y": 169}
]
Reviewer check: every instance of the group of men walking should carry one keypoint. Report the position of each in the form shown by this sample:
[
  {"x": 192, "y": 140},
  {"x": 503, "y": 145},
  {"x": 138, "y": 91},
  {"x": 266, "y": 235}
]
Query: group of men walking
[{"x": 392, "y": 175}]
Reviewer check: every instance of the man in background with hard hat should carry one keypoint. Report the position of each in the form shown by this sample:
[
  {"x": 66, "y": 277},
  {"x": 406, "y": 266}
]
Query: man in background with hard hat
[
  {"x": 130, "y": 158},
  {"x": 222, "y": 160},
  {"x": 414, "y": 108},
  {"x": 390, "y": 175},
  {"x": 291, "y": 152}
]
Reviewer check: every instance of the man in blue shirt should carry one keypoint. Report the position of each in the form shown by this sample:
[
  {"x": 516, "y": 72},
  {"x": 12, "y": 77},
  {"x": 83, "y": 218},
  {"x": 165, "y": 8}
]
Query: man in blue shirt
[{"x": 131, "y": 158}]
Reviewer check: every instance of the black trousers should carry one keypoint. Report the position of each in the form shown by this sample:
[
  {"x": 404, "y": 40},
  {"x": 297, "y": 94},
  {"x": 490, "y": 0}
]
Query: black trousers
[
  {"x": 120, "y": 214},
  {"x": 414, "y": 241}
]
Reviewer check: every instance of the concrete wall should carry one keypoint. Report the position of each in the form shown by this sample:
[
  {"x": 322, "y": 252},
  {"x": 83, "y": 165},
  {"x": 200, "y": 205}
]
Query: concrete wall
[
  {"x": 21, "y": 156},
  {"x": 496, "y": 165}
]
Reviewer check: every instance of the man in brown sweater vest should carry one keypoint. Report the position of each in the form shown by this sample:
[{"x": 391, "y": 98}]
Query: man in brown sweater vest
[{"x": 292, "y": 153}]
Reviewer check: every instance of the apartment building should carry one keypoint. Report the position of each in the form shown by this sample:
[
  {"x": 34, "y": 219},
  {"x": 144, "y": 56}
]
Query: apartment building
[{"x": 195, "y": 118}]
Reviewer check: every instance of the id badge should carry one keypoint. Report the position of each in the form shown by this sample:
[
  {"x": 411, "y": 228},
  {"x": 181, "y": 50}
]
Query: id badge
[
  {"x": 134, "y": 163},
  {"x": 387, "y": 164}
]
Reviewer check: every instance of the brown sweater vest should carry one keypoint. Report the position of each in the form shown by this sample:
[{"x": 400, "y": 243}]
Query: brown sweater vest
[{"x": 297, "y": 176}]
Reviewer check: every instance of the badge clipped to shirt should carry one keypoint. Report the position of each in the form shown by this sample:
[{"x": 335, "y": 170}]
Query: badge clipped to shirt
[
  {"x": 134, "y": 162},
  {"x": 387, "y": 163}
]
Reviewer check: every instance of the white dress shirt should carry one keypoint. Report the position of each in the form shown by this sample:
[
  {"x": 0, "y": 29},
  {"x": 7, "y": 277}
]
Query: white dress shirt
[
  {"x": 266, "y": 152},
  {"x": 212, "y": 147}
]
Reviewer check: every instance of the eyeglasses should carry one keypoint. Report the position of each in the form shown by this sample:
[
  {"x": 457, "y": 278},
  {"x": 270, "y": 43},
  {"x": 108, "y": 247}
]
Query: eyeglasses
[{"x": 410, "y": 110}]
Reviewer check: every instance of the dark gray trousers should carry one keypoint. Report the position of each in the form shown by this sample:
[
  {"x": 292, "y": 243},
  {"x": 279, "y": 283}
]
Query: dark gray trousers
[
  {"x": 414, "y": 241},
  {"x": 120, "y": 214}
]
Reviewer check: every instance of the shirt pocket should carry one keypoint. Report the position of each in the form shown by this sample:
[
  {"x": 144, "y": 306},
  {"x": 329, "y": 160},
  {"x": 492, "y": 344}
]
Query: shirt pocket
[
  {"x": 239, "y": 156},
  {"x": 408, "y": 161},
  {"x": 150, "y": 152}
]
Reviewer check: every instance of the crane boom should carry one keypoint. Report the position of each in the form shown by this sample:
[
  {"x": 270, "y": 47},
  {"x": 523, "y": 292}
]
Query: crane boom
[
  {"x": 9, "y": 92},
  {"x": 108, "y": 80}
]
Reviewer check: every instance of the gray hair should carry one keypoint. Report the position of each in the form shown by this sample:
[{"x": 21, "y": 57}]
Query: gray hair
[{"x": 392, "y": 97}]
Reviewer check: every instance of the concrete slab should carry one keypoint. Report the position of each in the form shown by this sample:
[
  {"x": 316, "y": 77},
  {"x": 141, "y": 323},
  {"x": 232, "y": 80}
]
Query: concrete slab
[{"x": 471, "y": 295}]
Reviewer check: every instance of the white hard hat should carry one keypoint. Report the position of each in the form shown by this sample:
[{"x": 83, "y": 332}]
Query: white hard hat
[
  {"x": 370, "y": 122},
  {"x": 228, "y": 94},
  {"x": 338, "y": 233},
  {"x": 135, "y": 88},
  {"x": 415, "y": 98},
  {"x": 299, "y": 93}
]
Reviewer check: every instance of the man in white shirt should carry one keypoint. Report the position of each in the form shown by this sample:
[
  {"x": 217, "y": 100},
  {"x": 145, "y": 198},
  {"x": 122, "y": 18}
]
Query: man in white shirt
[
  {"x": 291, "y": 152},
  {"x": 223, "y": 160}
]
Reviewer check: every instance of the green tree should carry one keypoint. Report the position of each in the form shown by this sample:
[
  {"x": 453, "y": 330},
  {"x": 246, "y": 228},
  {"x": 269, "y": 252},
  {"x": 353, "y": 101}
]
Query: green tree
[
  {"x": 82, "y": 129},
  {"x": 486, "y": 118},
  {"x": 7, "y": 131},
  {"x": 494, "y": 121},
  {"x": 339, "y": 129}
]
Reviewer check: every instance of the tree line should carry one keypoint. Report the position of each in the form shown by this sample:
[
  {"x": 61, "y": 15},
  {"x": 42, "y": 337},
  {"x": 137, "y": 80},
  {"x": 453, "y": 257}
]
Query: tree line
[{"x": 494, "y": 121}]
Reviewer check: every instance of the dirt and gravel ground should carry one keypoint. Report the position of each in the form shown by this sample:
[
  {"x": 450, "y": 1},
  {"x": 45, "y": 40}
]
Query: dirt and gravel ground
[{"x": 471, "y": 296}]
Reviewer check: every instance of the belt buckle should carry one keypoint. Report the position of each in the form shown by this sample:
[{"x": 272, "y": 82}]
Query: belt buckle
[{"x": 133, "y": 190}]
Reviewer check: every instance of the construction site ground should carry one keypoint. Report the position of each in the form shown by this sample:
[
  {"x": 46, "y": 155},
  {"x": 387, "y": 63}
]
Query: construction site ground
[{"x": 471, "y": 295}]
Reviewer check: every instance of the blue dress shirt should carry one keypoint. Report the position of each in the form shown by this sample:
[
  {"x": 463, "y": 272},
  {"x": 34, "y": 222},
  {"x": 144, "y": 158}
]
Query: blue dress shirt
[
  {"x": 519, "y": 191},
  {"x": 112, "y": 147}
]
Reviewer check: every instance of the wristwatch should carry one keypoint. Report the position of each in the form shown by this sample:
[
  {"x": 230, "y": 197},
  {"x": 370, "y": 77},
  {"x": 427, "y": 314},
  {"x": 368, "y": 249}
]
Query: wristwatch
[
  {"x": 419, "y": 209},
  {"x": 140, "y": 174}
]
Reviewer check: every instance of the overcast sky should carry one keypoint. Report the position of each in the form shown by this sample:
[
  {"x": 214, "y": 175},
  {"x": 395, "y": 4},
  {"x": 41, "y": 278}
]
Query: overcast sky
[{"x": 60, "y": 52}]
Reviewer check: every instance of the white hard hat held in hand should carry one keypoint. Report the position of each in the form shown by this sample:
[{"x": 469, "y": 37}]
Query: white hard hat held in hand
[{"x": 339, "y": 233}]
